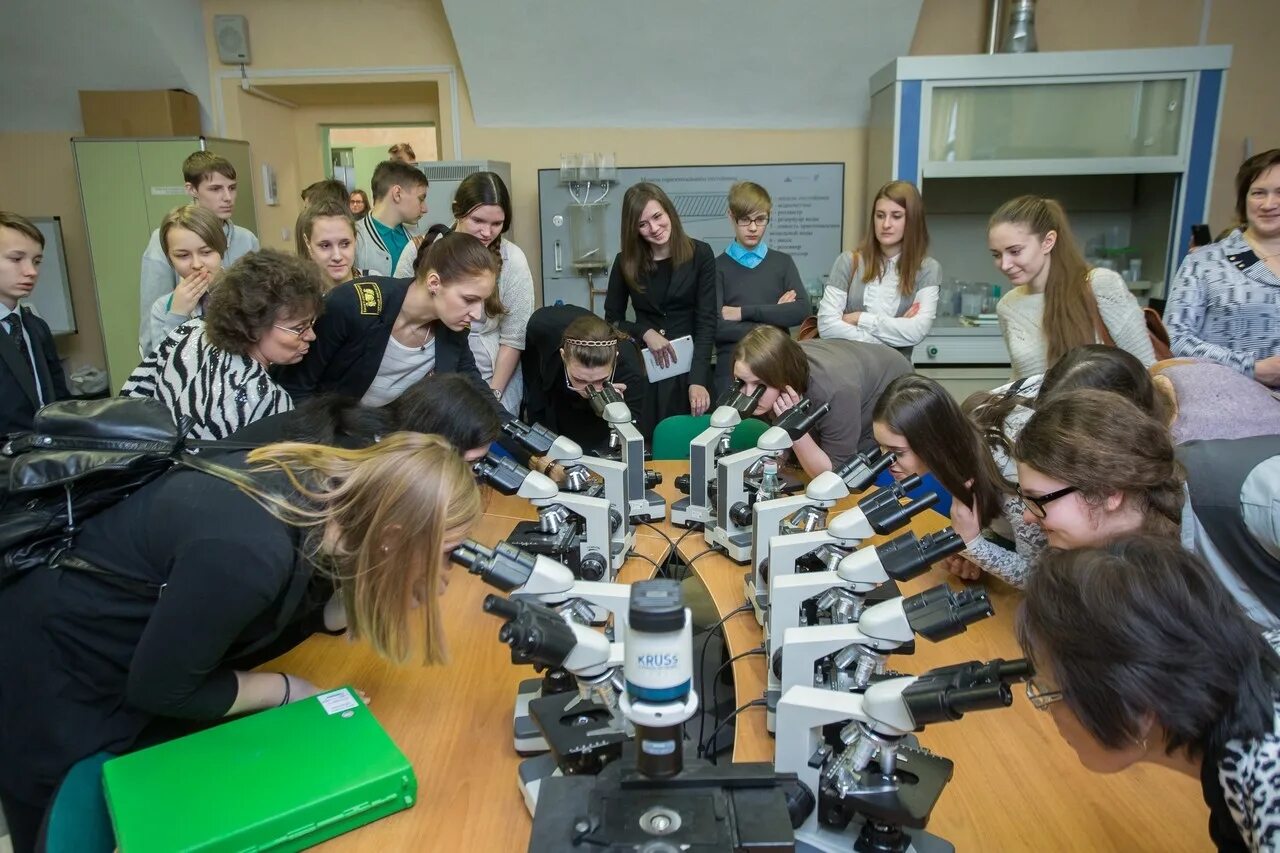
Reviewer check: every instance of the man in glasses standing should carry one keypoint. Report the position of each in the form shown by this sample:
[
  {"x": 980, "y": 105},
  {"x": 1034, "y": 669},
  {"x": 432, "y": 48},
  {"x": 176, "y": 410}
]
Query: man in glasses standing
[
  {"x": 755, "y": 284},
  {"x": 569, "y": 350}
]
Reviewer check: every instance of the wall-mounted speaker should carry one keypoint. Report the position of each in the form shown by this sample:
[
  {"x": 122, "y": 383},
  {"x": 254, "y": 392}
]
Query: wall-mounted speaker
[{"x": 231, "y": 32}]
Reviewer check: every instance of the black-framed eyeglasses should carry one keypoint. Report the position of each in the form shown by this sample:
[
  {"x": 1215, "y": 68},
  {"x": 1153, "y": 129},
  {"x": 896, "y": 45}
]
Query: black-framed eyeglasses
[
  {"x": 1040, "y": 698},
  {"x": 1038, "y": 505},
  {"x": 759, "y": 221}
]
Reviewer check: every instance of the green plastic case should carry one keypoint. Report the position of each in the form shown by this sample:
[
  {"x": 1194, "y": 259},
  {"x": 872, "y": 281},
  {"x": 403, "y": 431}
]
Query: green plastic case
[{"x": 279, "y": 780}]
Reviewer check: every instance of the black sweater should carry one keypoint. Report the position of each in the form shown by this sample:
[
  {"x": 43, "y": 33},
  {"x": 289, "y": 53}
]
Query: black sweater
[
  {"x": 351, "y": 338},
  {"x": 757, "y": 291},
  {"x": 685, "y": 307},
  {"x": 547, "y": 398},
  {"x": 88, "y": 662}
]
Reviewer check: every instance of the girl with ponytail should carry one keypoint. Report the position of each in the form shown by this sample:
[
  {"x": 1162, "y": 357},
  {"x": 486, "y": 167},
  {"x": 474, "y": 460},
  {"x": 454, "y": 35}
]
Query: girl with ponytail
[{"x": 1058, "y": 301}]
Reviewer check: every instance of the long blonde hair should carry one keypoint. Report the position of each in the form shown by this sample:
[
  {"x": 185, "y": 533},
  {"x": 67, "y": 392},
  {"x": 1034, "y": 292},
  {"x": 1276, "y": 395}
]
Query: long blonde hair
[{"x": 376, "y": 522}]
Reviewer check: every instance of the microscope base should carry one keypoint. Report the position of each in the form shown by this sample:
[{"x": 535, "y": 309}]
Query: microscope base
[
  {"x": 530, "y": 775},
  {"x": 621, "y": 545},
  {"x": 823, "y": 840},
  {"x": 736, "y": 545},
  {"x": 652, "y": 507},
  {"x": 758, "y": 599},
  {"x": 528, "y": 740},
  {"x": 685, "y": 514}
]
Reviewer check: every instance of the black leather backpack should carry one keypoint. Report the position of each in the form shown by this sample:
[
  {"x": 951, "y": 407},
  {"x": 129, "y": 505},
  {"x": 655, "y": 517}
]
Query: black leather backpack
[{"x": 81, "y": 457}]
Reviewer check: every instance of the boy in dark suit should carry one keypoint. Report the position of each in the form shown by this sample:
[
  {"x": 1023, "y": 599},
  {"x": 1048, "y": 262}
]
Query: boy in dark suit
[{"x": 30, "y": 373}]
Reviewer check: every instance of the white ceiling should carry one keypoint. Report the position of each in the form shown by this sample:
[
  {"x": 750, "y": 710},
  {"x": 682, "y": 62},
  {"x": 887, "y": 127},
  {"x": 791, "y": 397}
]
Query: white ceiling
[
  {"x": 51, "y": 49},
  {"x": 676, "y": 63}
]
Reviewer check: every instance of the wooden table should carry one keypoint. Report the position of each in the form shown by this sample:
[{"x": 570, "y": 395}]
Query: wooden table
[
  {"x": 452, "y": 721},
  {"x": 1017, "y": 784}
]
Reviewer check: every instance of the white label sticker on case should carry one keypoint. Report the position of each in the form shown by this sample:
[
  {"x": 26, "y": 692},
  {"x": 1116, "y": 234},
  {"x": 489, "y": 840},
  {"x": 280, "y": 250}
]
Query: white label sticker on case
[{"x": 337, "y": 700}]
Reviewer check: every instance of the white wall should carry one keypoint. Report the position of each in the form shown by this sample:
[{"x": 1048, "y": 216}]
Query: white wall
[{"x": 51, "y": 49}]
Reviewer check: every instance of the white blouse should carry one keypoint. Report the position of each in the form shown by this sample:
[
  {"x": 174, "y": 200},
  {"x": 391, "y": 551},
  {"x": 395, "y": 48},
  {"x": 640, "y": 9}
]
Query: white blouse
[
  {"x": 1021, "y": 315},
  {"x": 878, "y": 323}
]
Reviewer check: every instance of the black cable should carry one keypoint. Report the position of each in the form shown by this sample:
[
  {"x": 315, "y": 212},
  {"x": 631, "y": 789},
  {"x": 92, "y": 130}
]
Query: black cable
[
  {"x": 742, "y": 608},
  {"x": 758, "y": 650},
  {"x": 711, "y": 690},
  {"x": 666, "y": 564},
  {"x": 754, "y": 703},
  {"x": 650, "y": 560},
  {"x": 702, "y": 661},
  {"x": 688, "y": 564},
  {"x": 658, "y": 531}
]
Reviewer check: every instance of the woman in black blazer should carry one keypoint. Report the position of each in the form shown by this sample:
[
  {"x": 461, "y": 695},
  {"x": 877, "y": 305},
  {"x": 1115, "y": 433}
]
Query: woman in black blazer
[
  {"x": 670, "y": 280},
  {"x": 378, "y": 336}
]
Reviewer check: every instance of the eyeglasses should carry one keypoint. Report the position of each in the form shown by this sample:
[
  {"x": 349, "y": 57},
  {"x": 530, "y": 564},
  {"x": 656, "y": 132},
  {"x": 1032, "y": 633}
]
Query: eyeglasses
[
  {"x": 297, "y": 331},
  {"x": 1041, "y": 699},
  {"x": 613, "y": 367},
  {"x": 758, "y": 221},
  {"x": 1037, "y": 505}
]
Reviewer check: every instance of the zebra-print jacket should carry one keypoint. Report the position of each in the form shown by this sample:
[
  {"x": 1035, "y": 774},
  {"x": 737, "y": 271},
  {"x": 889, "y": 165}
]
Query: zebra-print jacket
[{"x": 220, "y": 391}]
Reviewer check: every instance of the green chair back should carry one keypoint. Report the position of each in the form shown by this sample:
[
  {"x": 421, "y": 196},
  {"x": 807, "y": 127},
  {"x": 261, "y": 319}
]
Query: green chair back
[
  {"x": 746, "y": 434},
  {"x": 672, "y": 435}
]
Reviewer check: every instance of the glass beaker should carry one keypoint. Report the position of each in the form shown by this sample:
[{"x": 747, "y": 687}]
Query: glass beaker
[{"x": 586, "y": 237}]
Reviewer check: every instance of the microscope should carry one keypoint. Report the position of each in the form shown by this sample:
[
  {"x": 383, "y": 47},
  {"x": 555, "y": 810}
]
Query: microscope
[
  {"x": 804, "y": 514},
  {"x": 628, "y": 443},
  {"x": 739, "y": 478},
  {"x": 539, "y": 578},
  {"x": 875, "y": 789},
  {"x": 584, "y": 729},
  {"x": 704, "y": 450},
  {"x": 847, "y": 656},
  {"x": 878, "y": 513},
  {"x": 578, "y": 525},
  {"x": 841, "y": 596},
  {"x": 652, "y": 798}
]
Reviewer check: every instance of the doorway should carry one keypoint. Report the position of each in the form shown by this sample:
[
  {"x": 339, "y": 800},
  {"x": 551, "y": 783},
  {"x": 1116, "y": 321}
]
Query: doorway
[{"x": 352, "y": 151}]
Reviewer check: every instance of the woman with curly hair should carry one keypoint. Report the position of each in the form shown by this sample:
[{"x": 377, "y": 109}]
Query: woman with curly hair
[{"x": 213, "y": 371}]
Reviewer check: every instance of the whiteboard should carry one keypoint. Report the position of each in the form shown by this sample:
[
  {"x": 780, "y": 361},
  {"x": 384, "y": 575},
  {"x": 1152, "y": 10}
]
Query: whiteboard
[
  {"x": 51, "y": 300},
  {"x": 807, "y": 221}
]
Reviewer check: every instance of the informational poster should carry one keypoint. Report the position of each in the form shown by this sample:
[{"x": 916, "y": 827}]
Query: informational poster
[{"x": 579, "y": 246}]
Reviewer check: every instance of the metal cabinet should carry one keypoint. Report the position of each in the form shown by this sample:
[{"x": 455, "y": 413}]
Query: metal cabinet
[
  {"x": 126, "y": 187},
  {"x": 1125, "y": 139}
]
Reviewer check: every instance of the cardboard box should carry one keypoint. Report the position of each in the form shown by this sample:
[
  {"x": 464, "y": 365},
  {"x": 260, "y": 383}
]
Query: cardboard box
[{"x": 159, "y": 112}]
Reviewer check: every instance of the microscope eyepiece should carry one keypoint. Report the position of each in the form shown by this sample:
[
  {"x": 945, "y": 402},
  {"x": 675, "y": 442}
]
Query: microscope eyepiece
[
  {"x": 535, "y": 633},
  {"x": 939, "y": 613},
  {"x": 948, "y": 693}
]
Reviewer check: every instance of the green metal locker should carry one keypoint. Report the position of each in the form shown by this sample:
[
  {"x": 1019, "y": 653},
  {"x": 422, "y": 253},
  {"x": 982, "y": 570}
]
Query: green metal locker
[{"x": 126, "y": 187}]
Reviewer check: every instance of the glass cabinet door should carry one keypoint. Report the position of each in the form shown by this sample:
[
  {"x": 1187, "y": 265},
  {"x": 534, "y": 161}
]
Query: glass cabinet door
[{"x": 1120, "y": 121}]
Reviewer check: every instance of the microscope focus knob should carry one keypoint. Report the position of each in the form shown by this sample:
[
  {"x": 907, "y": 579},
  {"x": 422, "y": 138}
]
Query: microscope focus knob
[
  {"x": 654, "y": 478},
  {"x": 764, "y": 571},
  {"x": 682, "y": 484},
  {"x": 740, "y": 514},
  {"x": 615, "y": 521},
  {"x": 776, "y": 663},
  {"x": 593, "y": 567}
]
